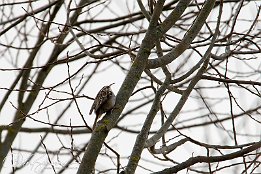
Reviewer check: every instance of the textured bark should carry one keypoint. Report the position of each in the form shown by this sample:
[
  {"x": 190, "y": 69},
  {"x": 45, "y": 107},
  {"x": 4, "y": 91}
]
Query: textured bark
[{"x": 132, "y": 78}]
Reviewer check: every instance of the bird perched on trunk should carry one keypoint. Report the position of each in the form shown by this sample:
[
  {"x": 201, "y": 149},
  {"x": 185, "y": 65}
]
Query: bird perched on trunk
[{"x": 103, "y": 102}]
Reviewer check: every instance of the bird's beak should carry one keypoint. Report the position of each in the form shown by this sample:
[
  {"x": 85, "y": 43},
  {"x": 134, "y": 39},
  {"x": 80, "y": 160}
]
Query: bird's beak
[{"x": 112, "y": 84}]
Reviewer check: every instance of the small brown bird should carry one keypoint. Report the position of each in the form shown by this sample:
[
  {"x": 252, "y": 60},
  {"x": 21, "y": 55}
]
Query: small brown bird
[{"x": 103, "y": 102}]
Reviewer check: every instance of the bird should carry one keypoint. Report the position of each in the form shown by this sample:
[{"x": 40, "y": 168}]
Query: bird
[{"x": 103, "y": 102}]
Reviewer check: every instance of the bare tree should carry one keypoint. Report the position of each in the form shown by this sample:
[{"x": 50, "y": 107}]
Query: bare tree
[{"x": 187, "y": 74}]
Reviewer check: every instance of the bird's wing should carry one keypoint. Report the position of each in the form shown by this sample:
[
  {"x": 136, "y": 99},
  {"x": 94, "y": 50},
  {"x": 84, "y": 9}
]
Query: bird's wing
[
  {"x": 91, "y": 110},
  {"x": 101, "y": 97}
]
